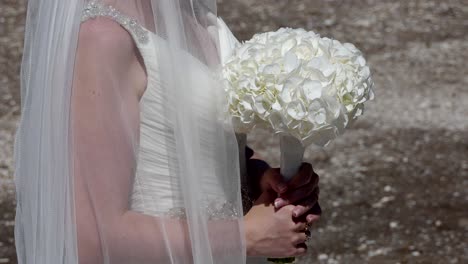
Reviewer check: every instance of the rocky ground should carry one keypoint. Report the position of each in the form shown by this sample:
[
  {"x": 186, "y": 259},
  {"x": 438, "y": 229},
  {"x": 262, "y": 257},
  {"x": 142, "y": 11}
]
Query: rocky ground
[{"x": 394, "y": 188}]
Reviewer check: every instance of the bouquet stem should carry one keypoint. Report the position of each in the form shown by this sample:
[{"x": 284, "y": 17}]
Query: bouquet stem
[{"x": 292, "y": 154}]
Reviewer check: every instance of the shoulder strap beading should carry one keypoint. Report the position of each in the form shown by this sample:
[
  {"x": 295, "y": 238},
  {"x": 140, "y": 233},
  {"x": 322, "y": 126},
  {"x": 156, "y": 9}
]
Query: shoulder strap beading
[{"x": 94, "y": 9}]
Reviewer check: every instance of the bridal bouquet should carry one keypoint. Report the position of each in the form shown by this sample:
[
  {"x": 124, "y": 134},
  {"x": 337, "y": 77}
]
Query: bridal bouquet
[{"x": 299, "y": 85}]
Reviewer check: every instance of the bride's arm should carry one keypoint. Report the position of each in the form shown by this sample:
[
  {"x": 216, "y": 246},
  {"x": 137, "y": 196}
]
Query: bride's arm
[{"x": 108, "y": 81}]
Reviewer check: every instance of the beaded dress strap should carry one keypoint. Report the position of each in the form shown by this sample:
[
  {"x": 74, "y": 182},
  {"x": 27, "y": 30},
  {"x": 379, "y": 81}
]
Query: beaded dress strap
[{"x": 94, "y": 9}]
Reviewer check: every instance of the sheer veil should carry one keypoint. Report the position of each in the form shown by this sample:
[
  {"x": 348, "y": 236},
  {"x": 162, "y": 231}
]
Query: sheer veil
[{"x": 77, "y": 144}]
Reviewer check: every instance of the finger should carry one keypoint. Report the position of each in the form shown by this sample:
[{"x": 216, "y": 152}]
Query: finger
[
  {"x": 314, "y": 214},
  {"x": 299, "y": 238},
  {"x": 307, "y": 204},
  {"x": 311, "y": 218},
  {"x": 300, "y": 194},
  {"x": 305, "y": 176},
  {"x": 302, "y": 177},
  {"x": 300, "y": 226},
  {"x": 273, "y": 179},
  {"x": 295, "y": 196},
  {"x": 291, "y": 198},
  {"x": 300, "y": 250},
  {"x": 297, "y": 251}
]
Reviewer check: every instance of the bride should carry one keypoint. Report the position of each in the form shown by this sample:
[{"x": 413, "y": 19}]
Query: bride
[{"x": 122, "y": 155}]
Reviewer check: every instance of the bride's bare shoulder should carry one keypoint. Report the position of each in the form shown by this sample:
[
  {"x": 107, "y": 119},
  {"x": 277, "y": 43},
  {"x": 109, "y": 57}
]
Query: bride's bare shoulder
[
  {"x": 105, "y": 37},
  {"x": 104, "y": 45}
]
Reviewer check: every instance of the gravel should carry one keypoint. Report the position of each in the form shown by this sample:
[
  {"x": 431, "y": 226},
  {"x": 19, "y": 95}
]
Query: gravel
[{"x": 394, "y": 188}]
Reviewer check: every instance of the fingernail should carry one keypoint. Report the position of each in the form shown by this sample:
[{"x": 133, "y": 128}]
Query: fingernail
[
  {"x": 279, "y": 202},
  {"x": 311, "y": 218},
  {"x": 282, "y": 187},
  {"x": 296, "y": 212}
]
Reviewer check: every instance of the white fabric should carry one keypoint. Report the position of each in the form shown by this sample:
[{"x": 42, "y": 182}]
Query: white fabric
[
  {"x": 156, "y": 190},
  {"x": 227, "y": 41},
  {"x": 88, "y": 153}
]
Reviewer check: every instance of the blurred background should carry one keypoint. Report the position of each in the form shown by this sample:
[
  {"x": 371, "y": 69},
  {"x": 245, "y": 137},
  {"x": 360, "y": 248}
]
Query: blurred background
[{"x": 394, "y": 188}]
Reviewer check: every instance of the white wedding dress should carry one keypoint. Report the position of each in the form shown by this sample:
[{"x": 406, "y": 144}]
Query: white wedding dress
[{"x": 156, "y": 190}]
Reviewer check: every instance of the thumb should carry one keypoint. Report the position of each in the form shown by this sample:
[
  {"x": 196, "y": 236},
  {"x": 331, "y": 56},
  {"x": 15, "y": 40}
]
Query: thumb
[{"x": 273, "y": 180}]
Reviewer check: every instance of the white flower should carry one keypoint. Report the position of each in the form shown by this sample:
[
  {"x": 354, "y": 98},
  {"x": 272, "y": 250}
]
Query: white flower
[{"x": 298, "y": 83}]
